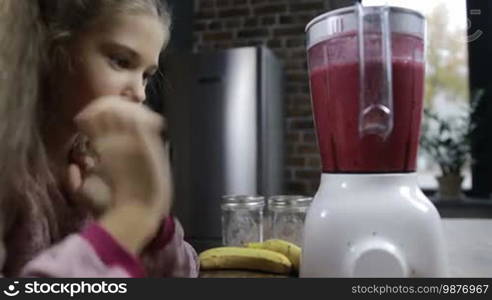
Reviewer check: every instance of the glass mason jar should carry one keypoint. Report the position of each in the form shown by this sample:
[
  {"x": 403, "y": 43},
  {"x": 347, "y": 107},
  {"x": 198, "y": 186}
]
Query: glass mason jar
[
  {"x": 242, "y": 219},
  {"x": 286, "y": 214}
]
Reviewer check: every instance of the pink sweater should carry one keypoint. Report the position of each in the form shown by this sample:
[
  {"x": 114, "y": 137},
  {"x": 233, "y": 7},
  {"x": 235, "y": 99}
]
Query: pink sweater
[{"x": 28, "y": 250}]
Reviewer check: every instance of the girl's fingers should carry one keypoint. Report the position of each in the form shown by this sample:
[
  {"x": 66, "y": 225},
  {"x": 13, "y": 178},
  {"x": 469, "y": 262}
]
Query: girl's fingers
[
  {"x": 74, "y": 178},
  {"x": 113, "y": 113},
  {"x": 89, "y": 163},
  {"x": 97, "y": 193}
]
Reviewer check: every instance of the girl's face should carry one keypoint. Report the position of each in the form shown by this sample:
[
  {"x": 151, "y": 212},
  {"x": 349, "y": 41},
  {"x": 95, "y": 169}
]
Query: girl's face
[{"x": 116, "y": 56}]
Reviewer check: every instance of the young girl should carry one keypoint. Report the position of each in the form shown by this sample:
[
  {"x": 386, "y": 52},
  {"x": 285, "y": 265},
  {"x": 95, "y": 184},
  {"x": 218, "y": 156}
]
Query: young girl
[{"x": 74, "y": 71}]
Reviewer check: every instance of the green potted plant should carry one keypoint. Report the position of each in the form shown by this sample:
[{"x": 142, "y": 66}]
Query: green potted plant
[{"x": 447, "y": 140}]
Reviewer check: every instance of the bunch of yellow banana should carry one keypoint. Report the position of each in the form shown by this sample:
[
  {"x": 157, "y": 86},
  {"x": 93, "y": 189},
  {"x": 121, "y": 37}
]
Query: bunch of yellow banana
[
  {"x": 274, "y": 256},
  {"x": 244, "y": 258},
  {"x": 290, "y": 250}
]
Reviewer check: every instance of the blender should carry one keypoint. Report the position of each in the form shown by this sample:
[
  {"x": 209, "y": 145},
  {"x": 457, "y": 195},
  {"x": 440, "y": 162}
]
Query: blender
[{"x": 369, "y": 217}]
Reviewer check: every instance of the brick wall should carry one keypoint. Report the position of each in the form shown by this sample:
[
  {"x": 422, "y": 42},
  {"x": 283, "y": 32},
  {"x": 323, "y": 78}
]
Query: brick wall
[{"x": 278, "y": 24}]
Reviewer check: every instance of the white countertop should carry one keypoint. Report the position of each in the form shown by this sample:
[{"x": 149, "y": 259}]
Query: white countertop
[{"x": 469, "y": 247}]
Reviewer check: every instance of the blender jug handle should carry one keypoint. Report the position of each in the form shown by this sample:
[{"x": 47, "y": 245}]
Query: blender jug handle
[{"x": 375, "y": 71}]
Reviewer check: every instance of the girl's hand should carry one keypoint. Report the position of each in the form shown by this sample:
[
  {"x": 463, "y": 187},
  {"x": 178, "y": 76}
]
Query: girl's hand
[
  {"x": 133, "y": 161},
  {"x": 88, "y": 188}
]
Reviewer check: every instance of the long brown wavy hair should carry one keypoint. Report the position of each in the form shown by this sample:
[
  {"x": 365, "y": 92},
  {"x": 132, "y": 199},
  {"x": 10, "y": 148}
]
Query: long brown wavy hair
[{"x": 33, "y": 39}]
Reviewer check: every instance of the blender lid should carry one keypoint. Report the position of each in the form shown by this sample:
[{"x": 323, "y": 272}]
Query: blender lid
[{"x": 402, "y": 20}]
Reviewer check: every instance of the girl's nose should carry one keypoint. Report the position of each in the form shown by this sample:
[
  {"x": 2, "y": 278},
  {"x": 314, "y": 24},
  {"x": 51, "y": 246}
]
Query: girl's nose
[{"x": 135, "y": 91}]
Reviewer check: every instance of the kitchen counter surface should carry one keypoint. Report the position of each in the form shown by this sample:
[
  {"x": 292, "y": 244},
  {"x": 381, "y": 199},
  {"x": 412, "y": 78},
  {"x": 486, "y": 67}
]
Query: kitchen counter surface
[
  {"x": 469, "y": 251},
  {"x": 469, "y": 247}
]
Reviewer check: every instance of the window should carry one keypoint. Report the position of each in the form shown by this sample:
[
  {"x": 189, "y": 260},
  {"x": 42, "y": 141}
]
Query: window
[{"x": 447, "y": 91}]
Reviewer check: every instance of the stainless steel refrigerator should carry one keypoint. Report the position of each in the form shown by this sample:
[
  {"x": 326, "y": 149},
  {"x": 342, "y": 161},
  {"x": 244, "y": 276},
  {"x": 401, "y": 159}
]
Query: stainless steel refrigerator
[{"x": 225, "y": 121}]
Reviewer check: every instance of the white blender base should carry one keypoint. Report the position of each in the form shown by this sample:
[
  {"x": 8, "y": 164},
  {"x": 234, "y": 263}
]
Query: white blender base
[{"x": 372, "y": 225}]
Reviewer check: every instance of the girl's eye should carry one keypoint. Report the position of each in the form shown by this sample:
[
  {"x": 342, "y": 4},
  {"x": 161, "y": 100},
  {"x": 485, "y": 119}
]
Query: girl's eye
[{"x": 120, "y": 62}]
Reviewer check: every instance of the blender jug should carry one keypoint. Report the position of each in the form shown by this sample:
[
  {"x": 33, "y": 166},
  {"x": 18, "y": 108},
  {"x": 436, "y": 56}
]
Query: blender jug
[
  {"x": 369, "y": 217},
  {"x": 367, "y": 77}
]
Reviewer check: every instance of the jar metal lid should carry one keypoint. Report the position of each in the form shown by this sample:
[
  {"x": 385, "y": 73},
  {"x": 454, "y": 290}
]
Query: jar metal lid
[
  {"x": 289, "y": 201},
  {"x": 242, "y": 201}
]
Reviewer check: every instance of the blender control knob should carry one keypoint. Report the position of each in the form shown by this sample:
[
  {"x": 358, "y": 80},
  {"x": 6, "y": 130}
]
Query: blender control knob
[{"x": 377, "y": 258}]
